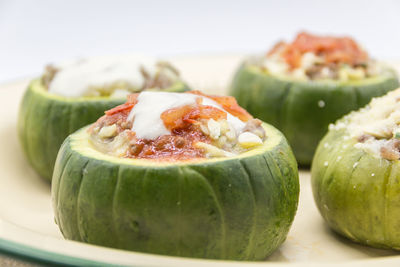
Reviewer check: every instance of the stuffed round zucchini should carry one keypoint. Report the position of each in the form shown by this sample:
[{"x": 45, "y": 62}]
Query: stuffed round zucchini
[
  {"x": 72, "y": 95},
  {"x": 301, "y": 87},
  {"x": 356, "y": 173},
  {"x": 177, "y": 174}
]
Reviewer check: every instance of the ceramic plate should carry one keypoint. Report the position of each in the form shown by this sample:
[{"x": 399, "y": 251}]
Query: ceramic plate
[{"x": 26, "y": 218}]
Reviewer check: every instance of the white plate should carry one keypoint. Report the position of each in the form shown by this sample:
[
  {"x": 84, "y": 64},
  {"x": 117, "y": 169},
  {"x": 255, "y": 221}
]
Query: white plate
[{"x": 26, "y": 217}]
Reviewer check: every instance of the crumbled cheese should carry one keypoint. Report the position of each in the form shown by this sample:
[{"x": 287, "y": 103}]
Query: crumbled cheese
[
  {"x": 377, "y": 124},
  {"x": 204, "y": 129},
  {"x": 116, "y": 147},
  {"x": 380, "y": 118},
  {"x": 326, "y": 73},
  {"x": 276, "y": 65},
  {"x": 224, "y": 126},
  {"x": 348, "y": 73},
  {"x": 299, "y": 74},
  {"x": 108, "y": 131},
  {"x": 222, "y": 141},
  {"x": 213, "y": 151},
  {"x": 248, "y": 140},
  {"x": 231, "y": 134},
  {"x": 235, "y": 122},
  {"x": 313, "y": 66},
  {"x": 372, "y": 146},
  {"x": 337, "y": 126},
  {"x": 309, "y": 59},
  {"x": 214, "y": 129},
  {"x": 343, "y": 74}
]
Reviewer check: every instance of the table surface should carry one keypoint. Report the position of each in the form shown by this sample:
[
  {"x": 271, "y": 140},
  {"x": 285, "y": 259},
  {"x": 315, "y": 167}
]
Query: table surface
[{"x": 9, "y": 260}]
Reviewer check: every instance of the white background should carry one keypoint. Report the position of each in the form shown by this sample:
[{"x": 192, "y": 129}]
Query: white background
[{"x": 33, "y": 33}]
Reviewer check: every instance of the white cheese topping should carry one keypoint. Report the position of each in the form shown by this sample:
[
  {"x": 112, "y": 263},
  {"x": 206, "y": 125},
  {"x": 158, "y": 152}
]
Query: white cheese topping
[
  {"x": 311, "y": 67},
  {"x": 74, "y": 79},
  {"x": 372, "y": 146},
  {"x": 146, "y": 114},
  {"x": 248, "y": 140},
  {"x": 379, "y": 119},
  {"x": 375, "y": 126}
]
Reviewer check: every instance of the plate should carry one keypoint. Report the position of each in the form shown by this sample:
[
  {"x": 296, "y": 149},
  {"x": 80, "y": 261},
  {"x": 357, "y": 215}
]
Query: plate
[{"x": 26, "y": 218}]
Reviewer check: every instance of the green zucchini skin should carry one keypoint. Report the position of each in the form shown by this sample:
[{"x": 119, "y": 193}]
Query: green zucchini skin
[
  {"x": 238, "y": 209},
  {"x": 45, "y": 120},
  {"x": 356, "y": 193},
  {"x": 294, "y": 107}
]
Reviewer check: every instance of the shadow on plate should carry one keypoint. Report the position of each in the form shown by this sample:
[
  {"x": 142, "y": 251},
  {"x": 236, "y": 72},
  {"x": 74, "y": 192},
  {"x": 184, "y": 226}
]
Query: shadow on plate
[{"x": 368, "y": 251}]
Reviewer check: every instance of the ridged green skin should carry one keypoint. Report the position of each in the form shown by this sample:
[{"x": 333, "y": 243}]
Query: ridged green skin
[
  {"x": 239, "y": 208},
  {"x": 293, "y": 106},
  {"x": 356, "y": 193},
  {"x": 45, "y": 120}
]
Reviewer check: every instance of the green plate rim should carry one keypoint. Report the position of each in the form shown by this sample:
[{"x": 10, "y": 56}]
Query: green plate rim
[{"x": 28, "y": 253}]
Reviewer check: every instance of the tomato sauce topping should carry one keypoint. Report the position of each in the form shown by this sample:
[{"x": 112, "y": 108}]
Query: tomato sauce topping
[
  {"x": 126, "y": 107},
  {"x": 228, "y": 103},
  {"x": 181, "y": 121},
  {"x": 332, "y": 49},
  {"x": 182, "y": 117}
]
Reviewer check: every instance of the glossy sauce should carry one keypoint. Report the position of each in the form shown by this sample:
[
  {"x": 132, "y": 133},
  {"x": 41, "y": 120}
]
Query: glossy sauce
[{"x": 332, "y": 49}]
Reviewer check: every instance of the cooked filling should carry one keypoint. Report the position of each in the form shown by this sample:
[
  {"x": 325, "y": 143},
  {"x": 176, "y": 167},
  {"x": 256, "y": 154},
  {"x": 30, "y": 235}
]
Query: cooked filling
[
  {"x": 377, "y": 126},
  {"x": 176, "y": 126},
  {"x": 108, "y": 76},
  {"x": 311, "y": 57}
]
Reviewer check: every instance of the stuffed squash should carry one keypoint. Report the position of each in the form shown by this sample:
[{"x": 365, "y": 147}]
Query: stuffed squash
[
  {"x": 181, "y": 174},
  {"x": 72, "y": 95},
  {"x": 356, "y": 174},
  {"x": 303, "y": 86}
]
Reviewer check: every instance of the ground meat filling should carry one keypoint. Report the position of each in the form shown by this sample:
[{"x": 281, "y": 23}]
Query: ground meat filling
[
  {"x": 196, "y": 131},
  {"x": 163, "y": 77},
  {"x": 376, "y": 128},
  {"x": 179, "y": 145},
  {"x": 311, "y": 57}
]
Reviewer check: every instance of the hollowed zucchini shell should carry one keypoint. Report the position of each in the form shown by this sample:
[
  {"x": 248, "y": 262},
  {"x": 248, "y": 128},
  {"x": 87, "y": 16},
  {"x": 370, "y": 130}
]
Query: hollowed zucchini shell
[
  {"x": 357, "y": 193},
  {"x": 45, "y": 120},
  {"x": 224, "y": 208},
  {"x": 303, "y": 110}
]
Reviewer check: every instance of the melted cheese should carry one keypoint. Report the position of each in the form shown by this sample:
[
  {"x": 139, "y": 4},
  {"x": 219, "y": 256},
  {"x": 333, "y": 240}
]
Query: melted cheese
[
  {"x": 75, "y": 79},
  {"x": 146, "y": 114}
]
